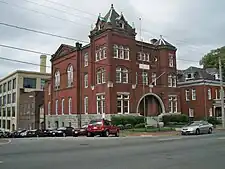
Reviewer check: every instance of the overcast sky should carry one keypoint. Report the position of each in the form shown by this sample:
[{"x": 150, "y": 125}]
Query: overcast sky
[{"x": 194, "y": 27}]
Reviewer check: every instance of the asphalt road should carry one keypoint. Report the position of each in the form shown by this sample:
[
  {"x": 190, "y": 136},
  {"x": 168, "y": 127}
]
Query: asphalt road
[{"x": 180, "y": 152}]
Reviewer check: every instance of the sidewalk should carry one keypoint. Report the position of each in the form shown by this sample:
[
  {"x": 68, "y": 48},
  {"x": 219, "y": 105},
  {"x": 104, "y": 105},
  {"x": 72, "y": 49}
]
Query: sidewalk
[{"x": 168, "y": 133}]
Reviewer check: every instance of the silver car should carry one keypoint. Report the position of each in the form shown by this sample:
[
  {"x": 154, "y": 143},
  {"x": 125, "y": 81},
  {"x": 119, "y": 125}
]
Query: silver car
[{"x": 197, "y": 127}]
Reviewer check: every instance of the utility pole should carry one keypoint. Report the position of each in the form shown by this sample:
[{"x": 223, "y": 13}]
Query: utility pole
[{"x": 222, "y": 91}]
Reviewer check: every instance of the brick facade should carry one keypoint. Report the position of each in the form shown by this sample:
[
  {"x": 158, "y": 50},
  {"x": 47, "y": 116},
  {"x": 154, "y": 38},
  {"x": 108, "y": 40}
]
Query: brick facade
[{"x": 108, "y": 75}]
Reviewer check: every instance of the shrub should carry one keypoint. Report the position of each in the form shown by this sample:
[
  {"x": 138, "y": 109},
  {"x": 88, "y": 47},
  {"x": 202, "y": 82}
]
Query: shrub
[
  {"x": 126, "y": 119},
  {"x": 128, "y": 126},
  {"x": 140, "y": 125},
  {"x": 178, "y": 118},
  {"x": 213, "y": 120},
  {"x": 121, "y": 127}
]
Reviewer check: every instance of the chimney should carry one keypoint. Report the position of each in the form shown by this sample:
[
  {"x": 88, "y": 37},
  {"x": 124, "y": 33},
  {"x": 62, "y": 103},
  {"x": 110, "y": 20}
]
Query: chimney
[{"x": 43, "y": 59}]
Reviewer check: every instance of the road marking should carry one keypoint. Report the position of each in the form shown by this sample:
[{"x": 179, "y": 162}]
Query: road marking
[
  {"x": 1, "y": 162},
  {"x": 169, "y": 139},
  {"x": 221, "y": 138},
  {"x": 8, "y": 141}
]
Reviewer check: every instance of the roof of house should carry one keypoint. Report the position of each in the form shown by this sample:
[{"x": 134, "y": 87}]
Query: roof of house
[{"x": 162, "y": 42}]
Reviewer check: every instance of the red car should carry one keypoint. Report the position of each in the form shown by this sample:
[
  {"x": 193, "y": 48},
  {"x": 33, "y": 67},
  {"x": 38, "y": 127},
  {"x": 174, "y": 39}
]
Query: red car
[{"x": 101, "y": 127}]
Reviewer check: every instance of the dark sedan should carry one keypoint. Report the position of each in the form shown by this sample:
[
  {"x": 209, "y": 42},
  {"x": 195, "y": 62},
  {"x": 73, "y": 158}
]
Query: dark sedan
[
  {"x": 80, "y": 131},
  {"x": 63, "y": 132}
]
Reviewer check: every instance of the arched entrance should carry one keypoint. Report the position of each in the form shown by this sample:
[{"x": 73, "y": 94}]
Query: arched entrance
[{"x": 150, "y": 104}]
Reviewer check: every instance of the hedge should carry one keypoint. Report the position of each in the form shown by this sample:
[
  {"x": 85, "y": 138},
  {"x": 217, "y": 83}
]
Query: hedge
[
  {"x": 127, "y": 120},
  {"x": 213, "y": 120},
  {"x": 176, "y": 118}
]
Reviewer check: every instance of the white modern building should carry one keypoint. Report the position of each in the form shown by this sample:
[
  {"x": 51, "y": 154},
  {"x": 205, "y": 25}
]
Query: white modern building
[{"x": 10, "y": 87}]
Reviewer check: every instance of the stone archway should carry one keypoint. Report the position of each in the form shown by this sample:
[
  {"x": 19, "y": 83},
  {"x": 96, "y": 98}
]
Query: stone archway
[{"x": 149, "y": 99}]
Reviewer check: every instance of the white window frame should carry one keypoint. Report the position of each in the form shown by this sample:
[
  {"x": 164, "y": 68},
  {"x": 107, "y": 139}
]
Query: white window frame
[
  {"x": 173, "y": 105},
  {"x": 115, "y": 51},
  {"x": 139, "y": 56},
  {"x": 170, "y": 81},
  {"x": 127, "y": 54},
  {"x": 191, "y": 112},
  {"x": 193, "y": 94},
  {"x": 104, "y": 52},
  {"x": 56, "y": 107},
  {"x": 70, "y": 105},
  {"x": 145, "y": 78},
  {"x": 123, "y": 98},
  {"x": 187, "y": 94},
  {"x": 57, "y": 79},
  {"x": 100, "y": 76},
  {"x": 216, "y": 93},
  {"x": 49, "y": 108},
  {"x": 122, "y": 75},
  {"x": 70, "y": 76},
  {"x": 209, "y": 94},
  {"x": 49, "y": 89},
  {"x": 147, "y": 57},
  {"x": 154, "y": 78},
  {"x": 210, "y": 112},
  {"x": 100, "y": 101},
  {"x": 62, "y": 106},
  {"x": 86, "y": 80},
  {"x": 86, "y": 59},
  {"x": 85, "y": 105},
  {"x": 174, "y": 81},
  {"x": 171, "y": 60},
  {"x": 121, "y": 52}
]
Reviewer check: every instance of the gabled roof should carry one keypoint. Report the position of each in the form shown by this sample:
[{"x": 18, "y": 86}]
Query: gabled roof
[
  {"x": 112, "y": 15},
  {"x": 163, "y": 43},
  {"x": 62, "y": 51}
]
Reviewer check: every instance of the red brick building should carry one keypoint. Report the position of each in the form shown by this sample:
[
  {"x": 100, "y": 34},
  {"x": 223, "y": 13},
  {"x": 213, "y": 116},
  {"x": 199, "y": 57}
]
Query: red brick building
[
  {"x": 113, "y": 74},
  {"x": 200, "y": 92}
]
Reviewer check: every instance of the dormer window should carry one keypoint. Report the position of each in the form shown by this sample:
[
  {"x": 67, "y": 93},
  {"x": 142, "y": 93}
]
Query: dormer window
[
  {"x": 189, "y": 76},
  {"x": 217, "y": 76},
  {"x": 121, "y": 25}
]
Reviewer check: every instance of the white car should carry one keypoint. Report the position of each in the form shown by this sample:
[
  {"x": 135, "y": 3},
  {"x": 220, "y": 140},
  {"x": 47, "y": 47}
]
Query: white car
[{"x": 197, "y": 127}]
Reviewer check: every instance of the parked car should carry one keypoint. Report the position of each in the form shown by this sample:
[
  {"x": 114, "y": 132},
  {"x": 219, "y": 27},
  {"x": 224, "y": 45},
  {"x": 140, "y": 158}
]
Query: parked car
[
  {"x": 101, "y": 127},
  {"x": 19, "y": 133},
  {"x": 197, "y": 127},
  {"x": 35, "y": 133},
  {"x": 50, "y": 132},
  {"x": 1, "y": 134},
  {"x": 80, "y": 131},
  {"x": 64, "y": 132}
]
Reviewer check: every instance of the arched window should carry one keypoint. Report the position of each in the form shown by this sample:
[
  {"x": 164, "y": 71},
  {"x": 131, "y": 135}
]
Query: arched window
[
  {"x": 121, "y": 75},
  {"x": 57, "y": 79},
  {"x": 121, "y": 52},
  {"x": 62, "y": 106},
  {"x": 100, "y": 76},
  {"x": 56, "y": 107},
  {"x": 170, "y": 80},
  {"x": 70, "y": 105},
  {"x": 127, "y": 53},
  {"x": 70, "y": 75},
  {"x": 115, "y": 51},
  {"x": 49, "y": 108}
]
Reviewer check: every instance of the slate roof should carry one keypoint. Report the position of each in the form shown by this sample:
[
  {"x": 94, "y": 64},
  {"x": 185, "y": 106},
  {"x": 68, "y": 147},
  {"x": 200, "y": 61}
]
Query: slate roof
[{"x": 162, "y": 42}]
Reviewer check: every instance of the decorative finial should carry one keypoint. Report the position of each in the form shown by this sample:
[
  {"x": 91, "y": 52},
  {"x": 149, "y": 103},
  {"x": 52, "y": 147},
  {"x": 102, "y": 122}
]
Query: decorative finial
[
  {"x": 160, "y": 36},
  {"x": 111, "y": 5},
  {"x": 99, "y": 15},
  {"x": 133, "y": 25}
]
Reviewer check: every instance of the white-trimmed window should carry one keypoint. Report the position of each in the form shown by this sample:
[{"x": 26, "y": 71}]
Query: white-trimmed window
[
  {"x": 100, "y": 101},
  {"x": 209, "y": 94},
  {"x": 210, "y": 112},
  {"x": 187, "y": 95},
  {"x": 49, "y": 108},
  {"x": 171, "y": 60},
  {"x": 147, "y": 57},
  {"x": 193, "y": 94},
  {"x": 115, "y": 51},
  {"x": 57, "y": 79},
  {"x": 123, "y": 103},
  {"x": 121, "y": 52},
  {"x": 70, "y": 105},
  {"x": 86, "y": 80},
  {"x": 191, "y": 112},
  {"x": 127, "y": 53},
  {"x": 216, "y": 93},
  {"x": 170, "y": 81},
  {"x": 100, "y": 53},
  {"x": 100, "y": 76},
  {"x": 145, "y": 78},
  {"x": 62, "y": 106},
  {"x": 86, "y": 59},
  {"x": 154, "y": 79},
  {"x": 86, "y": 105},
  {"x": 174, "y": 81},
  {"x": 56, "y": 107},
  {"x": 104, "y": 52},
  {"x": 121, "y": 75},
  {"x": 70, "y": 76},
  {"x": 173, "y": 104}
]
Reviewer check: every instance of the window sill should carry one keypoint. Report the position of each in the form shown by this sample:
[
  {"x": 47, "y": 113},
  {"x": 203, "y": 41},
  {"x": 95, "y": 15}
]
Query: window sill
[
  {"x": 122, "y": 59},
  {"x": 100, "y": 59}
]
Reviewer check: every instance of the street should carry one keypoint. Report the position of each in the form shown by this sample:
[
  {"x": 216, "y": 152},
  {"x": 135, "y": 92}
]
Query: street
[{"x": 177, "y": 152}]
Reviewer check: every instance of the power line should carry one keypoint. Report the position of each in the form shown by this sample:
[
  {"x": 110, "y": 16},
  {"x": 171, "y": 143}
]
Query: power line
[
  {"x": 42, "y": 13},
  {"x": 55, "y": 9},
  {"x": 24, "y": 50},
  {"x": 41, "y": 32}
]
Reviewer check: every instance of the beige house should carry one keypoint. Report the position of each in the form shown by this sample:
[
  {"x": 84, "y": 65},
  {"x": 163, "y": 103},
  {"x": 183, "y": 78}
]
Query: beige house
[{"x": 10, "y": 90}]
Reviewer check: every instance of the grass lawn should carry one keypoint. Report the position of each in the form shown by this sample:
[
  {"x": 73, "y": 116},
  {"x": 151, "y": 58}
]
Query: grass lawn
[{"x": 144, "y": 130}]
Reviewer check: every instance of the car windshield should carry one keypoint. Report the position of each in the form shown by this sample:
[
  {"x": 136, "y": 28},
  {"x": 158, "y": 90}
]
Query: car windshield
[
  {"x": 95, "y": 122},
  {"x": 61, "y": 128},
  {"x": 195, "y": 123}
]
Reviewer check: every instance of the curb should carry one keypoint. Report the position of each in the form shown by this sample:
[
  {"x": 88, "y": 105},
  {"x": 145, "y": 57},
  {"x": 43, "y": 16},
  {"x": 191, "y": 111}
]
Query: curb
[{"x": 5, "y": 141}]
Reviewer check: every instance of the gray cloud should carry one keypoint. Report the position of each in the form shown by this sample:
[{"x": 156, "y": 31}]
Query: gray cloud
[{"x": 195, "y": 27}]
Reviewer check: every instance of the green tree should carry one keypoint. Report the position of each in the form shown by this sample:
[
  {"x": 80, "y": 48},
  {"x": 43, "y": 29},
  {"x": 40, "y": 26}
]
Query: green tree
[{"x": 211, "y": 59}]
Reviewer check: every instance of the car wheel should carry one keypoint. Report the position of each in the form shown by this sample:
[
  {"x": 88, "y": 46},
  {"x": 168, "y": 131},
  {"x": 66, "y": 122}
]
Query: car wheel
[
  {"x": 197, "y": 132},
  {"x": 117, "y": 133},
  {"x": 89, "y": 134},
  {"x": 106, "y": 133},
  {"x": 210, "y": 131}
]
